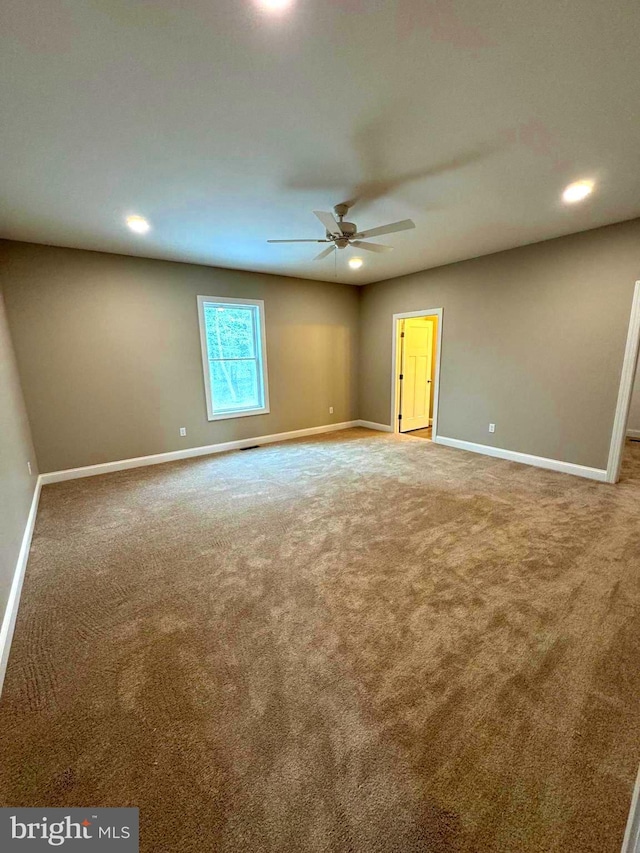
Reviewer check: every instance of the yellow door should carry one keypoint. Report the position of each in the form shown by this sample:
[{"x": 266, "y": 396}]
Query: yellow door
[{"x": 417, "y": 364}]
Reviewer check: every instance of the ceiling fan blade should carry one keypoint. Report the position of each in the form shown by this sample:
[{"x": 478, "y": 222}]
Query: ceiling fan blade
[
  {"x": 298, "y": 241},
  {"x": 377, "y": 182},
  {"x": 372, "y": 247},
  {"x": 404, "y": 225},
  {"x": 329, "y": 222},
  {"x": 325, "y": 253}
]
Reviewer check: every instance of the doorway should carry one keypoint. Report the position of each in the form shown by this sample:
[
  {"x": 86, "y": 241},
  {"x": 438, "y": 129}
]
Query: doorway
[
  {"x": 415, "y": 372},
  {"x": 629, "y": 367}
]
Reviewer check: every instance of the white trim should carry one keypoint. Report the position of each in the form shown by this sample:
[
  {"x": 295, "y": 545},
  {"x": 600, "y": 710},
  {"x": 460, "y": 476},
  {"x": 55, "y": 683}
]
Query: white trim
[
  {"x": 427, "y": 312},
  {"x": 378, "y": 427},
  {"x": 13, "y": 602},
  {"x": 627, "y": 379},
  {"x": 633, "y": 433},
  {"x": 631, "y": 842},
  {"x": 262, "y": 360},
  {"x": 525, "y": 458},
  {"x": 188, "y": 453}
]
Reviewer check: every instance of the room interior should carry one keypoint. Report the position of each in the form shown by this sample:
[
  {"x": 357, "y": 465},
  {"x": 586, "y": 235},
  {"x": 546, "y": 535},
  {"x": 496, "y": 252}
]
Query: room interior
[{"x": 236, "y": 593}]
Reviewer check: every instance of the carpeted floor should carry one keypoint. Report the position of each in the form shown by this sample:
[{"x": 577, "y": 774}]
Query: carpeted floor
[{"x": 356, "y": 643}]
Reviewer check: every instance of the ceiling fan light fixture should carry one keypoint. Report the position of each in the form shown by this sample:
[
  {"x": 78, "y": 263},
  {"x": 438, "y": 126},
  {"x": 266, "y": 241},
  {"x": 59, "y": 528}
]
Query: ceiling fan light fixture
[{"x": 355, "y": 263}]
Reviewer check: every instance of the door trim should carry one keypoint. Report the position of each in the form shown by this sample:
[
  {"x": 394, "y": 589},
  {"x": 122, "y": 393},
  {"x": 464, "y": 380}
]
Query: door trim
[
  {"x": 631, "y": 841},
  {"x": 427, "y": 312},
  {"x": 627, "y": 379}
]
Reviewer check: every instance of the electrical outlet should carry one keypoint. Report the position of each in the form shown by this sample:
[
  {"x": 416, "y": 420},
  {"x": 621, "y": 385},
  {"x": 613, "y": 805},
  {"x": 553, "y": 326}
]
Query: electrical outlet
[
  {"x": 330, "y": 410},
  {"x": 492, "y": 427},
  {"x": 29, "y": 467},
  {"x": 183, "y": 431}
]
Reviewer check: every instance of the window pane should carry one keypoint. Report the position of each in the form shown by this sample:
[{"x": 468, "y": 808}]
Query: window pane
[
  {"x": 230, "y": 331},
  {"x": 234, "y": 385}
]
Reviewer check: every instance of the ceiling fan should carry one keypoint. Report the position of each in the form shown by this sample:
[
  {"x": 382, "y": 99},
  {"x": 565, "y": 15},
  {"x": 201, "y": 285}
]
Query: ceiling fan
[{"x": 342, "y": 234}]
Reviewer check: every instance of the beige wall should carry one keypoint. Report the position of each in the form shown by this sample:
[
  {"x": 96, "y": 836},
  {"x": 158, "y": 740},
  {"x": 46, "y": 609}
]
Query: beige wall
[
  {"x": 109, "y": 352},
  {"x": 16, "y": 484},
  {"x": 533, "y": 341}
]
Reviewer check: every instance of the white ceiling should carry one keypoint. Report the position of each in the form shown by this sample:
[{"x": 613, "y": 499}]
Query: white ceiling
[{"x": 226, "y": 126}]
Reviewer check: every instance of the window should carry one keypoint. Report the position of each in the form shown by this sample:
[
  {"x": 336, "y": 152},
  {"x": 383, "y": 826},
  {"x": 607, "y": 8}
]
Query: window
[{"x": 234, "y": 356}]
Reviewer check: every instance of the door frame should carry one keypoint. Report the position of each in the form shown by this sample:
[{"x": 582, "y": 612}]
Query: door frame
[
  {"x": 407, "y": 315},
  {"x": 627, "y": 379}
]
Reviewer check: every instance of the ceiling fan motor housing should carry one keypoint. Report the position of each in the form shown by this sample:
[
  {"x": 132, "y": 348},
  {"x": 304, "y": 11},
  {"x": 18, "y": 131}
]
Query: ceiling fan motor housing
[{"x": 349, "y": 230}]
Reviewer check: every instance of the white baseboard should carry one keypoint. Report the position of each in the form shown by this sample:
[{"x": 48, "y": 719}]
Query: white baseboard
[
  {"x": 187, "y": 453},
  {"x": 633, "y": 433},
  {"x": 631, "y": 842},
  {"x": 13, "y": 602},
  {"x": 372, "y": 425},
  {"x": 599, "y": 474}
]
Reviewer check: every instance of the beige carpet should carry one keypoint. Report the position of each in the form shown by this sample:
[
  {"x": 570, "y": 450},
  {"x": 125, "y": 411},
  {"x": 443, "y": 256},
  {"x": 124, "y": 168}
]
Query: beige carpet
[{"x": 356, "y": 643}]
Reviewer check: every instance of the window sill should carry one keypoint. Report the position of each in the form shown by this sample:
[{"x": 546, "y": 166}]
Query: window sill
[{"x": 239, "y": 414}]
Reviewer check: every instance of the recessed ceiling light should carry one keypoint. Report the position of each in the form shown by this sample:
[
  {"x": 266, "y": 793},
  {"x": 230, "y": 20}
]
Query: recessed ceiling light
[
  {"x": 274, "y": 5},
  {"x": 578, "y": 191},
  {"x": 355, "y": 263},
  {"x": 138, "y": 224}
]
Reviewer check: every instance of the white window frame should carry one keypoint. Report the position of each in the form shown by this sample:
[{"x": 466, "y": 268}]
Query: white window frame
[{"x": 262, "y": 357}]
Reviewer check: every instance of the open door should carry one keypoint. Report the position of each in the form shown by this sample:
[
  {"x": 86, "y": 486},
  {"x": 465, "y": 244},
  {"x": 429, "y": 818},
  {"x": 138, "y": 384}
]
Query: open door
[{"x": 417, "y": 340}]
